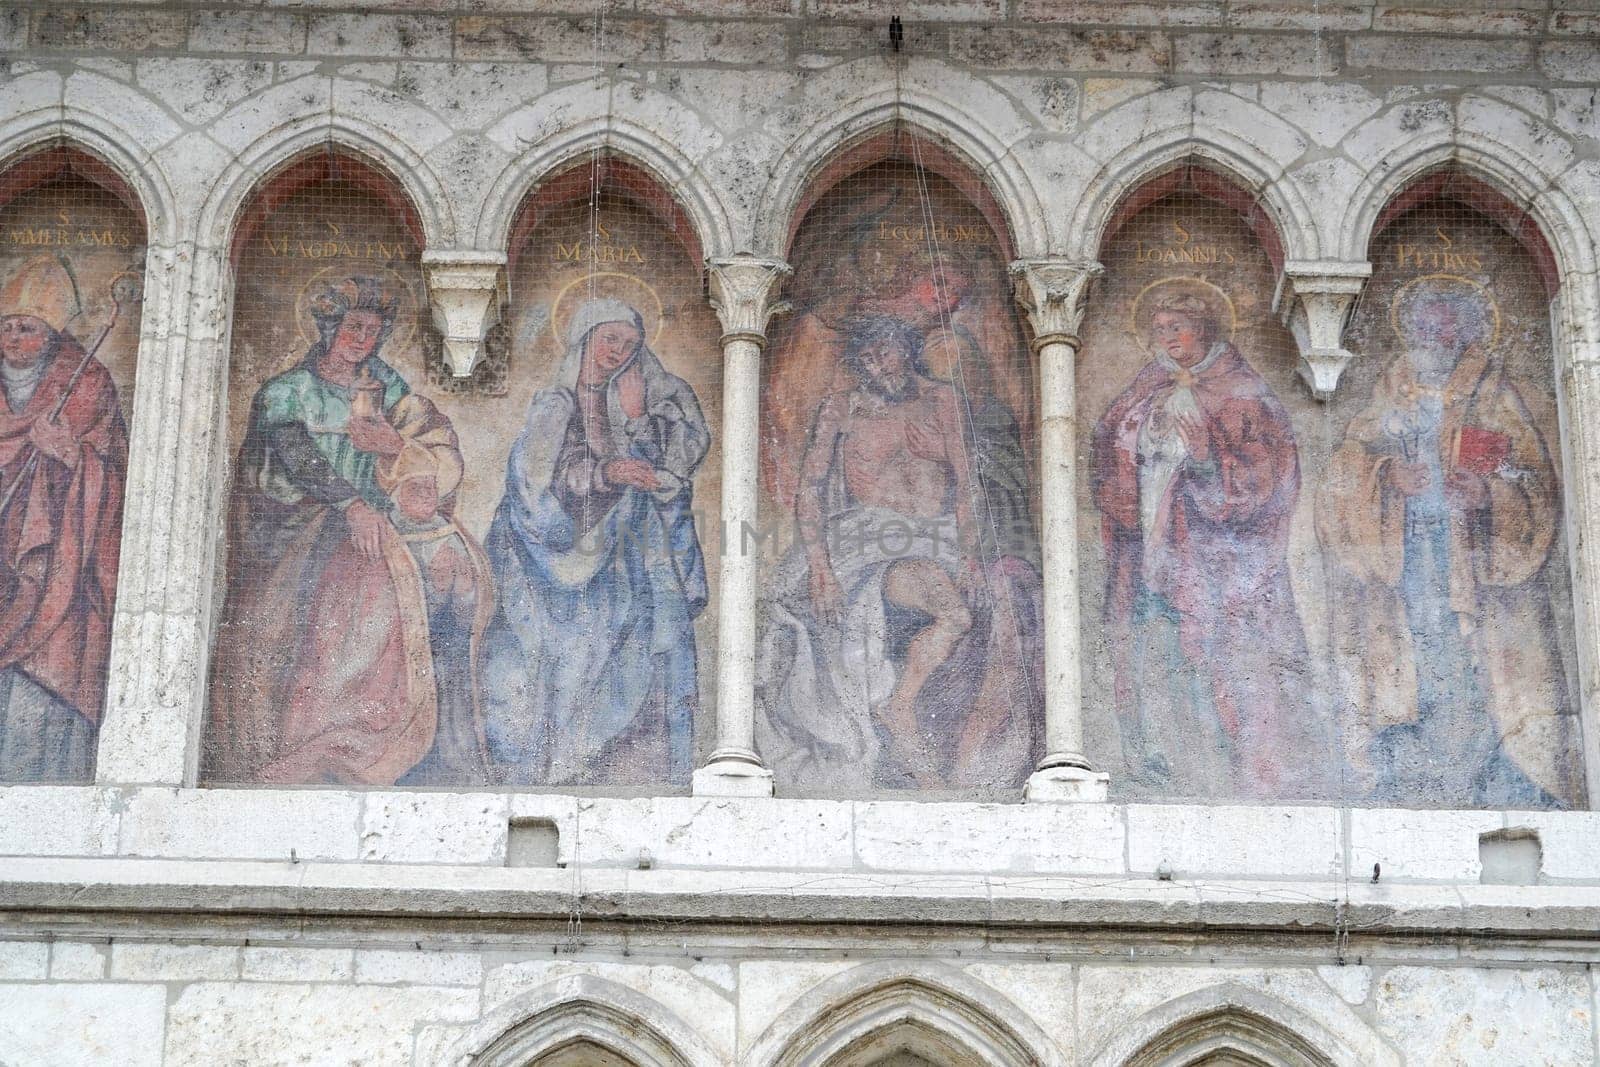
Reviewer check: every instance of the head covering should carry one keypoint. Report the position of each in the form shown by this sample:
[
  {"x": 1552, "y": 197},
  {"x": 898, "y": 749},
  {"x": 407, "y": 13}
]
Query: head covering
[
  {"x": 593, "y": 314},
  {"x": 43, "y": 289},
  {"x": 598, "y": 312}
]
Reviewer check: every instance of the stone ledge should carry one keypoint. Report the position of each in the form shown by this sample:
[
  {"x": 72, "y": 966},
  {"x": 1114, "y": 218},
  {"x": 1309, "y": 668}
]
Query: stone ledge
[
  {"x": 38, "y": 889},
  {"x": 1281, "y": 843}
]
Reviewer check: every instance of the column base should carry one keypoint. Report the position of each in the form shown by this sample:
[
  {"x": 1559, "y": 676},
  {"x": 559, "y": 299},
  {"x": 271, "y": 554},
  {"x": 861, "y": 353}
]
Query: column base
[
  {"x": 1067, "y": 785},
  {"x": 731, "y": 778}
]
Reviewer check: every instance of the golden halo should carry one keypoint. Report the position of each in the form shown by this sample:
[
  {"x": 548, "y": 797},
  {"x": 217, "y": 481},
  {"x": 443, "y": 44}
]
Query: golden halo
[
  {"x": 1219, "y": 303},
  {"x": 405, "y": 319},
  {"x": 602, "y": 285},
  {"x": 1407, "y": 292}
]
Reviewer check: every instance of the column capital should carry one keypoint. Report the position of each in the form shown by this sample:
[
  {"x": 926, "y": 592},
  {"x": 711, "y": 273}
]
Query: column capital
[
  {"x": 1314, "y": 299},
  {"x": 744, "y": 290},
  {"x": 1054, "y": 293},
  {"x": 466, "y": 290}
]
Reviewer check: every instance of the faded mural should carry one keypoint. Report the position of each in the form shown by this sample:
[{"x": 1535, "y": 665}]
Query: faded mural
[
  {"x": 1441, "y": 518},
  {"x": 1196, "y": 445},
  {"x": 71, "y": 265},
  {"x": 900, "y": 643},
  {"x": 594, "y": 664},
  {"x": 1365, "y": 603},
  {"x": 430, "y": 583}
]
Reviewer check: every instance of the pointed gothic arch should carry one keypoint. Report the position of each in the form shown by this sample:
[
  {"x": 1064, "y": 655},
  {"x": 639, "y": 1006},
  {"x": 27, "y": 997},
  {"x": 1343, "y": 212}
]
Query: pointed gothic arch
[
  {"x": 1228, "y": 169},
  {"x": 888, "y": 141},
  {"x": 576, "y": 1011},
  {"x": 609, "y": 172},
  {"x": 1201, "y": 177},
  {"x": 879, "y": 1009},
  {"x": 1203, "y": 1028}
]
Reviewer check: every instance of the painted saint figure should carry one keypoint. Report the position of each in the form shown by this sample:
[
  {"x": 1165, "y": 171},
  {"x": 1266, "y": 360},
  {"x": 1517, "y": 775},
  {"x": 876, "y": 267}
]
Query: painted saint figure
[
  {"x": 1195, "y": 471},
  {"x": 61, "y": 484},
  {"x": 1441, "y": 510},
  {"x": 591, "y": 668},
  {"x": 355, "y": 601},
  {"x": 879, "y": 664}
]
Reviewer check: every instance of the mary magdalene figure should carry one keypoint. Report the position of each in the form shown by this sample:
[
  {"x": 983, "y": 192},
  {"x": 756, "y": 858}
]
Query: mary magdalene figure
[{"x": 356, "y": 601}]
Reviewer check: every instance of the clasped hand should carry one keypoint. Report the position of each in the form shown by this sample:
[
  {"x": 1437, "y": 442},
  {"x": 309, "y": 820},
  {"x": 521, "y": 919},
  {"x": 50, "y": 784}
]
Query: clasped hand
[{"x": 634, "y": 472}]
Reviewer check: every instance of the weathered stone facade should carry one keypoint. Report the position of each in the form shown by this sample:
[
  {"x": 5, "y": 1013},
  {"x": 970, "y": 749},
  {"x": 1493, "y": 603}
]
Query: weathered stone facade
[{"x": 149, "y": 920}]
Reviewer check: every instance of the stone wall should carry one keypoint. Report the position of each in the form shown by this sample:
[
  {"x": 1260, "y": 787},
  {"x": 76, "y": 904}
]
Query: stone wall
[{"x": 150, "y": 921}]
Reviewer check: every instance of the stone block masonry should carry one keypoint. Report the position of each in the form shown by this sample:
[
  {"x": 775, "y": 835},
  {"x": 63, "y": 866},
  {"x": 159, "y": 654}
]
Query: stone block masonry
[{"x": 146, "y": 920}]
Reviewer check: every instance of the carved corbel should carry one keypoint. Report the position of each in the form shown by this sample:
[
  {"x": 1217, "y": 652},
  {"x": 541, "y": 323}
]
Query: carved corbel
[
  {"x": 466, "y": 291},
  {"x": 744, "y": 289},
  {"x": 1054, "y": 293},
  {"x": 1314, "y": 301}
]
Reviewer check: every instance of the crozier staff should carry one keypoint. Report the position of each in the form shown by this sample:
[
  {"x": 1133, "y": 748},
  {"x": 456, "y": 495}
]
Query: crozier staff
[{"x": 63, "y": 462}]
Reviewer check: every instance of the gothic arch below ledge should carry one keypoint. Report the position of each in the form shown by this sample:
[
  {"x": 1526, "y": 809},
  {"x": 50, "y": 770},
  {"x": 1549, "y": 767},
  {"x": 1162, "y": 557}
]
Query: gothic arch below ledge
[
  {"x": 867, "y": 1011},
  {"x": 1230, "y": 1018},
  {"x": 581, "y": 1008}
]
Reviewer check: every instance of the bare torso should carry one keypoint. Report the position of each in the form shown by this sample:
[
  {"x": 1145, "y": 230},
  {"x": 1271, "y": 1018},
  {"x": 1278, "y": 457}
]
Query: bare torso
[{"x": 895, "y": 455}]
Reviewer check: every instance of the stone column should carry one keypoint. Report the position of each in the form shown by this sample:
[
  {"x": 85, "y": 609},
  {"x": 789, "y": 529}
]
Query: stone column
[
  {"x": 150, "y": 733},
  {"x": 1575, "y": 331},
  {"x": 465, "y": 290},
  {"x": 1314, "y": 300},
  {"x": 743, "y": 292},
  {"x": 1054, "y": 293}
]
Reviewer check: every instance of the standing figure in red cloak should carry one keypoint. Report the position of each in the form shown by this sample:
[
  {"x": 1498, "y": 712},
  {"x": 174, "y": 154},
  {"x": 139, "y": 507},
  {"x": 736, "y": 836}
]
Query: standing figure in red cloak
[
  {"x": 1195, "y": 472},
  {"x": 61, "y": 484}
]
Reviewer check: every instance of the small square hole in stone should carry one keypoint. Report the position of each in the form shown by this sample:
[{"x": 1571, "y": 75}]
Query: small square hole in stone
[
  {"x": 533, "y": 843},
  {"x": 1510, "y": 857}
]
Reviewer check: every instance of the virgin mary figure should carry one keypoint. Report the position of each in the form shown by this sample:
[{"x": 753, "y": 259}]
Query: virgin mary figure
[{"x": 590, "y": 670}]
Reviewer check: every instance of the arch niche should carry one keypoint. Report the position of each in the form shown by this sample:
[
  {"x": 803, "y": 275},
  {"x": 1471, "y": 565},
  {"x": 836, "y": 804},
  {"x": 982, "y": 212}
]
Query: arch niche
[
  {"x": 72, "y": 261},
  {"x": 899, "y": 250},
  {"x": 1196, "y": 531},
  {"x": 352, "y": 590},
  {"x": 626, "y": 450},
  {"x": 1452, "y": 418}
]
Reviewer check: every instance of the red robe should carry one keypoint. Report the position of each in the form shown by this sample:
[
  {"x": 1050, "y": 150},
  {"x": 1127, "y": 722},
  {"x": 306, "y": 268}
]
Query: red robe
[
  {"x": 60, "y": 535},
  {"x": 1221, "y": 533}
]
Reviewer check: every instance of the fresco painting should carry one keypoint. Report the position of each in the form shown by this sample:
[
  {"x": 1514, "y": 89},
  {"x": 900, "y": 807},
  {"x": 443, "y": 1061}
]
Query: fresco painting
[
  {"x": 1196, "y": 447},
  {"x": 71, "y": 265},
  {"x": 900, "y": 637},
  {"x": 594, "y": 661},
  {"x": 1442, "y": 519},
  {"x": 1363, "y": 603},
  {"x": 458, "y": 589}
]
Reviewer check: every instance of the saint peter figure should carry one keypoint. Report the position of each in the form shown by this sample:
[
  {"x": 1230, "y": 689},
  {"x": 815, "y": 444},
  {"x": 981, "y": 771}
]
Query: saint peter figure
[
  {"x": 356, "y": 602},
  {"x": 1195, "y": 472},
  {"x": 591, "y": 671},
  {"x": 63, "y": 461},
  {"x": 1441, "y": 511}
]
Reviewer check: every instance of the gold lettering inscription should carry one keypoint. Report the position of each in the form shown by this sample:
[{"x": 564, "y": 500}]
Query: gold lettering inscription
[
  {"x": 66, "y": 235},
  {"x": 1183, "y": 249},
  {"x": 1441, "y": 256},
  {"x": 595, "y": 252},
  {"x": 333, "y": 246},
  {"x": 942, "y": 231}
]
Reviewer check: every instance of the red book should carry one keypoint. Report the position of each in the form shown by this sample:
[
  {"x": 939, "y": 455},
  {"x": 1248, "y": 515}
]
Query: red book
[{"x": 1481, "y": 451}]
